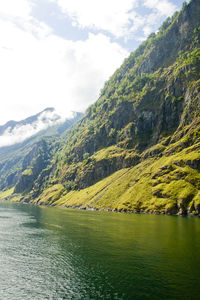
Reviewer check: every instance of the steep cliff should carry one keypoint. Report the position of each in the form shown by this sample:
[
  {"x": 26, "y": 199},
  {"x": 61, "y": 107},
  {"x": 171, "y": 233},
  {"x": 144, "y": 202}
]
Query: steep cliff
[{"x": 153, "y": 94}]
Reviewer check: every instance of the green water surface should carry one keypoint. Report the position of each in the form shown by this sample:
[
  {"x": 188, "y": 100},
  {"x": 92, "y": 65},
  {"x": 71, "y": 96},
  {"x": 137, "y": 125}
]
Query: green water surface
[{"x": 51, "y": 253}]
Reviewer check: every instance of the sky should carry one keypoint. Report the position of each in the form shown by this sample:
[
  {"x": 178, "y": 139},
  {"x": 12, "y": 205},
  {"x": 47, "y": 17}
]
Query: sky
[{"x": 59, "y": 53}]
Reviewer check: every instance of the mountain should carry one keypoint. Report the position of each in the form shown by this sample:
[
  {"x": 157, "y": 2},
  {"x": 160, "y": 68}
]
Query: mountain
[
  {"x": 137, "y": 148},
  {"x": 48, "y": 122},
  {"x": 19, "y": 139}
]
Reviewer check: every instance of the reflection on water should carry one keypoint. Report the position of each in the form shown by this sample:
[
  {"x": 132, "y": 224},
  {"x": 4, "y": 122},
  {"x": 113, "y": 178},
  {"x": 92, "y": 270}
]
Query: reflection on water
[{"x": 50, "y": 253}]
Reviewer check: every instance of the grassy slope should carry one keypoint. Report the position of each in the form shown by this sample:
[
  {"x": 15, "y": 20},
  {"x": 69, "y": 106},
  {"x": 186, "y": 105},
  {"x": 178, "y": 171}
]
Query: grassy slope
[
  {"x": 7, "y": 193},
  {"x": 166, "y": 184}
]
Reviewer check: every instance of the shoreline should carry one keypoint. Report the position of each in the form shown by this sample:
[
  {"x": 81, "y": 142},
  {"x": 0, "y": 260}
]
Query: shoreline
[{"x": 115, "y": 210}]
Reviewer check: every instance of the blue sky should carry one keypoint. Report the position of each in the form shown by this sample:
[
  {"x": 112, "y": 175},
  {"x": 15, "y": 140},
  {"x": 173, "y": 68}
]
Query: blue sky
[{"x": 59, "y": 53}]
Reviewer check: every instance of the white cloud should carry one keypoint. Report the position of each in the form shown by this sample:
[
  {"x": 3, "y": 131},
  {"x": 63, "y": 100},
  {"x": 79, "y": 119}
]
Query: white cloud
[
  {"x": 20, "y": 133},
  {"x": 147, "y": 30},
  {"x": 42, "y": 70},
  {"x": 116, "y": 17},
  {"x": 16, "y": 9},
  {"x": 160, "y": 9},
  {"x": 88, "y": 64},
  {"x": 113, "y": 16},
  {"x": 163, "y": 7}
]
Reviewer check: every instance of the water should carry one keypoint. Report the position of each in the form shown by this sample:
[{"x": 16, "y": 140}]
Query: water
[{"x": 50, "y": 253}]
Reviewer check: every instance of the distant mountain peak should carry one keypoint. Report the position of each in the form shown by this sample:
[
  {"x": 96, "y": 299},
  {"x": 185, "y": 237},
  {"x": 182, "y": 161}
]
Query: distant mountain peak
[
  {"x": 14, "y": 132},
  {"x": 49, "y": 109}
]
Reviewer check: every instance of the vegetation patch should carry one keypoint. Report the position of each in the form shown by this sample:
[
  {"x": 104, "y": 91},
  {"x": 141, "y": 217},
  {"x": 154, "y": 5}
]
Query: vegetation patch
[{"x": 50, "y": 195}]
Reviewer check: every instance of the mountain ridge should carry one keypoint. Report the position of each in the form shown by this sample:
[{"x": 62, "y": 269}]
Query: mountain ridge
[
  {"x": 14, "y": 132},
  {"x": 13, "y": 156}
]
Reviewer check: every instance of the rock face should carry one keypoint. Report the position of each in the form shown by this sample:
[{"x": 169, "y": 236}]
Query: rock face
[
  {"x": 154, "y": 94},
  {"x": 34, "y": 162},
  {"x": 144, "y": 131},
  {"x": 179, "y": 34}
]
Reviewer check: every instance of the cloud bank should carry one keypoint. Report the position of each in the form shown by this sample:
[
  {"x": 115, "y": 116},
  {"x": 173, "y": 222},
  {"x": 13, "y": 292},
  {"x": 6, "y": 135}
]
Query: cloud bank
[
  {"x": 21, "y": 132},
  {"x": 40, "y": 69},
  {"x": 120, "y": 18},
  {"x": 112, "y": 16}
]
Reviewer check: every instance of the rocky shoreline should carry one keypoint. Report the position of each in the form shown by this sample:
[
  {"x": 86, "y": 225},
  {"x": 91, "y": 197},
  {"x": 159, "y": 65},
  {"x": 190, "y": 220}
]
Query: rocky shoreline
[
  {"x": 118, "y": 210},
  {"x": 115, "y": 210}
]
